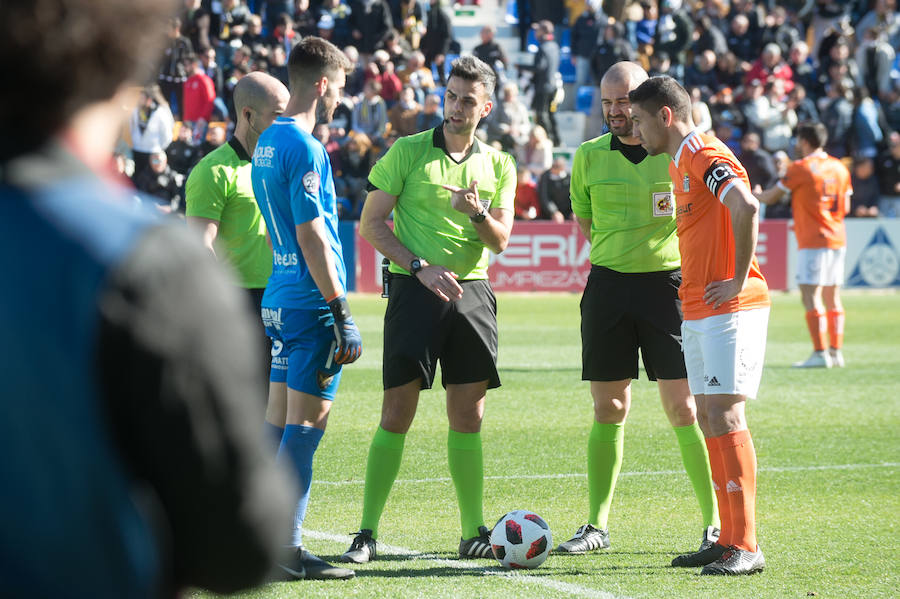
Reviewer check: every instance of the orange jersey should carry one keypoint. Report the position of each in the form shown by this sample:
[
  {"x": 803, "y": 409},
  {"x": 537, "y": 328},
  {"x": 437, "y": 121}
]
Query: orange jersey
[
  {"x": 820, "y": 198},
  {"x": 703, "y": 171}
]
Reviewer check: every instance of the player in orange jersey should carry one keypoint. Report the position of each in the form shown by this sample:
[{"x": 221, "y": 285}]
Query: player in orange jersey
[
  {"x": 725, "y": 301},
  {"x": 818, "y": 187}
]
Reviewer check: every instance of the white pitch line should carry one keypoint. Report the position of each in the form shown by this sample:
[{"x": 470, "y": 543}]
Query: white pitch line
[
  {"x": 519, "y": 576},
  {"x": 445, "y": 479}
]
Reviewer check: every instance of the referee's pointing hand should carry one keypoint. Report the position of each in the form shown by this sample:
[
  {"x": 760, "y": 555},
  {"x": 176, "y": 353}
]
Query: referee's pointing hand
[{"x": 465, "y": 199}]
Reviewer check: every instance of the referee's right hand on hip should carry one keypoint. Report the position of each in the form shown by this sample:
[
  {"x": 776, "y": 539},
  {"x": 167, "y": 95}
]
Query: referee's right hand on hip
[{"x": 346, "y": 333}]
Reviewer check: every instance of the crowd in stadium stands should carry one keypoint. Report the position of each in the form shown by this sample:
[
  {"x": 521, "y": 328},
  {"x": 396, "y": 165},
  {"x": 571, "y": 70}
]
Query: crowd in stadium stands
[{"x": 755, "y": 68}]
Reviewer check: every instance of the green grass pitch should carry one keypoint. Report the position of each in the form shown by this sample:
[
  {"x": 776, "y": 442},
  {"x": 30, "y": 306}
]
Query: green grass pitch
[{"x": 828, "y": 486}]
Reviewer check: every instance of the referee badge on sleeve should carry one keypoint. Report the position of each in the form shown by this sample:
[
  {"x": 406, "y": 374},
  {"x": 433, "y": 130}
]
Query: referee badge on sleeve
[
  {"x": 311, "y": 182},
  {"x": 663, "y": 204}
]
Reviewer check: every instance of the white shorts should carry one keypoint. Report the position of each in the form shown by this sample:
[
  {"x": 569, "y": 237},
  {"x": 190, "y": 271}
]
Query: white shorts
[
  {"x": 724, "y": 353},
  {"x": 821, "y": 266}
]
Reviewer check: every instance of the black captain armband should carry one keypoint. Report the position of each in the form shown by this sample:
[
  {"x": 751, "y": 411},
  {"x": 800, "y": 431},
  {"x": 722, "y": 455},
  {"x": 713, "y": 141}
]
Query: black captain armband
[{"x": 718, "y": 175}]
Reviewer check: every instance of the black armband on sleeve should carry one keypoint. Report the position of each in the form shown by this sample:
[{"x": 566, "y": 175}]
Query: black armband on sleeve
[{"x": 718, "y": 175}]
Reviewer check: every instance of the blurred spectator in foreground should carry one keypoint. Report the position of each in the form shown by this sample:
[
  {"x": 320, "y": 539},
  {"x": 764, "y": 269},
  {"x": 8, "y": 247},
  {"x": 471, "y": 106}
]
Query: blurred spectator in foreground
[
  {"x": 553, "y": 192},
  {"x": 151, "y": 127},
  {"x": 144, "y": 331},
  {"x": 887, "y": 170}
]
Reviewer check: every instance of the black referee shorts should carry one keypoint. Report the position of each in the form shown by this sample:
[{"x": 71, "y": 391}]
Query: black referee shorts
[
  {"x": 621, "y": 312},
  {"x": 420, "y": 329}
]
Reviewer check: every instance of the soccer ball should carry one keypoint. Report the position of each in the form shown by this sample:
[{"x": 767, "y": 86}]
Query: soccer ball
[{"x": 521, "y": 539}]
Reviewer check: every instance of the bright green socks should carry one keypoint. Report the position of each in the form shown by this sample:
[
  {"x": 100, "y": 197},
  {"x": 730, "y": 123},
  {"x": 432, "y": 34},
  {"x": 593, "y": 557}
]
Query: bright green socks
[
  {"x": 466, "y": 464},
  {"x": 696, "y": 464},
  {"x": 605, "y": 448},
  {"x": 382, "y": 467}
]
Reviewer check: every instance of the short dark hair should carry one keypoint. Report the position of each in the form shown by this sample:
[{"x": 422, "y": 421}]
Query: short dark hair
[
  {"x": 813, "y": 132},
  {"x": 314, "y": 58},
  {"x": 471, "y": 68},
  {"x": 659, "y": 91},
  {"x": 95, "y": 46}
]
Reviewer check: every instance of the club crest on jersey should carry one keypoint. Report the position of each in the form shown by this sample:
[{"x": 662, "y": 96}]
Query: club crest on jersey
[
  {"x": 311, "y": 182},
  {"x": 663, "y": 204},
  {"x": 686, "y": 184}
]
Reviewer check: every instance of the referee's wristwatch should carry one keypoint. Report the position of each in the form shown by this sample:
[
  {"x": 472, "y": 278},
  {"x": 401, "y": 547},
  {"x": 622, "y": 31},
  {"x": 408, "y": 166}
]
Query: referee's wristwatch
[
  {"x": 415, "y": 266},
  {"x": 479, "y": 218}
]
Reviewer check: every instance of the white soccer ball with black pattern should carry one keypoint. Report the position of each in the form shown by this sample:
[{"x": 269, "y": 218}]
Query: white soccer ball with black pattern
[{"x": 521, "y": 539}]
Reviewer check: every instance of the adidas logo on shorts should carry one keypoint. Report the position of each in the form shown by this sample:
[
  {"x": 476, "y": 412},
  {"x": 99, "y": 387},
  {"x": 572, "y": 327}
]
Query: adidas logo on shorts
[{"x": 733, "y": 487}]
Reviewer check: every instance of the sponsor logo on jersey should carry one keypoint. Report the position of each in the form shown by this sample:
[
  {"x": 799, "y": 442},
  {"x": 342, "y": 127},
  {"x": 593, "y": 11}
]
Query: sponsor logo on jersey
[
  {"x": 682, "y": 210},
  {"x": 311, "y": 182},
  {"x": 285, "y": 258},
  {"x": 717, "y": 176},
  {"x": 271, "y": 317},
  {"x": 262, "y": 156}
]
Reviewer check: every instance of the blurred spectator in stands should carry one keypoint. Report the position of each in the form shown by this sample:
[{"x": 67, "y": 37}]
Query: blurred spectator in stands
[
  {"x": 431, "y": 115},
  {"x": 536, "y": 153},
  {"x": 509, "y": 121},
  {"x": 614, "y": 48},
  {"x": 771, "y": 116},
  {"x": 867, "y": 136},
  {"x": 802, "y": 104},
  {"x": 708, "y": 37},
  {"x": 382, "y": 70},
  {"x": 403, "y": 115},
  {"x": 755, "y": 13},
  {"x": 237, "y": 73},
  {"x": 724, "y": 110},
  {"x": 717, "y": 12},
  {"x": 357, "y": 78},
  {"x": 253, "y": 38},
  {"x": 803, "y": 72},
  {"x": 492, "y": 54},
  {"x": 887, "y": 171},
  {"x": 339, "y": 11},
  {"x": 885, "y": 18},
  {"x": 527, "y": 206},
  {"x": 278, "y": 65},
  {"x": 306, "y": 20},
  {"x": 875, "y": 58},
  {"x": 645, "y": 27},
  {"x": 836, "y": 72},
  {"x": 342, "y": 119},
  {"x": 544, "y": 75},
  {"x": 779, "y": 30},
  {"x": 356, "y": 162},
  {"x": 370, "y": 22},
  {"x": 865, "y": 199},
  {"x": 415, "y": 75},
  {"x": 553, "y": 192},
  {"x": 700, "y": 111},
  {"x": 730, "y": 70},
  {"x": 740, "y": 40},
  {"x": 173, "y": 71},
  {"x": 781, "y": 209},
  {"x": 837, "y": 115},
  {"x": 163, "y": 183},
  {"x": 397, "y": 49},
  {"x": 151, "y": 127},
  {"x": 233, "y": 22},
  {"x": 436, "y": 40},
  {"x": 829, "y": 15},
  {"x": 523, "y": 15},
  {"x": 584, "y": 40},
  {"x": 199, "y": 96},
  {"x": 212, "y": 69},
  {"x": 325, "y": 27},
  {"x": 322, "y": 132},
  {"x": 195, "y": 24},
  {"x": 370, "y": 114},
  {"x": 674, "y": 34},
  {"x": 702, "y": 74},
  {"x": 660, "y": 64},
  {"x": 410, "y": 22},
  {"x": 770, "y": 65},
  {"x": 758, "y": 163},
  {"x": 283, "y": 34},
  {"x": 549, "y": 10},
  {"x": 182, "y": 154},
  {"x": 215, "y": 137},
  {"x": 837, "y": 48}
]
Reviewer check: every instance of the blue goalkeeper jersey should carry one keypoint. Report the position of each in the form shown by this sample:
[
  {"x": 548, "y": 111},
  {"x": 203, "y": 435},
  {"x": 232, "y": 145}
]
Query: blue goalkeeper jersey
[{"x": 293, "y": 184}]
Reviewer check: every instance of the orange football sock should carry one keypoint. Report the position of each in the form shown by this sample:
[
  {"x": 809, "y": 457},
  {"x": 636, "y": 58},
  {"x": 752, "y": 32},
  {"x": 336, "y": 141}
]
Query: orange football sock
[
  {"x": 717, "y": 467},
  {"x": 739, "y": 457},
  {"x": 836, "y": 328},
  {"x": 815, "y": 322}
]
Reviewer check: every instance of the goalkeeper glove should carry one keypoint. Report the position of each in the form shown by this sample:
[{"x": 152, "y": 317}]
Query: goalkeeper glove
[{"x": 346, "y": 334}]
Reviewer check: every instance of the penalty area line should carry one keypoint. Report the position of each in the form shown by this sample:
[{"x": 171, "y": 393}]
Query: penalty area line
[
  {"x": 446, "y": 479},
  {"x": 519, "y": 576}
]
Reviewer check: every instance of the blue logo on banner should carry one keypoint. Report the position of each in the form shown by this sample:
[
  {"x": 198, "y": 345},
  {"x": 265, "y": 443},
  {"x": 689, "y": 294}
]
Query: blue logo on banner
[{"x": 878, "y": 264}]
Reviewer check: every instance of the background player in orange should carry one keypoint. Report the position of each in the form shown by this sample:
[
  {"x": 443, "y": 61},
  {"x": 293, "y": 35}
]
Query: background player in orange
[
  {"x": 818, "y": 187},
  {"x": 725, "y": 301}
]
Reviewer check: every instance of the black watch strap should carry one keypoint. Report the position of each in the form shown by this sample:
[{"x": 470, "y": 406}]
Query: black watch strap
[
  {"x": 479, "y": 218},
  {"x": 415, "y": 266}
]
